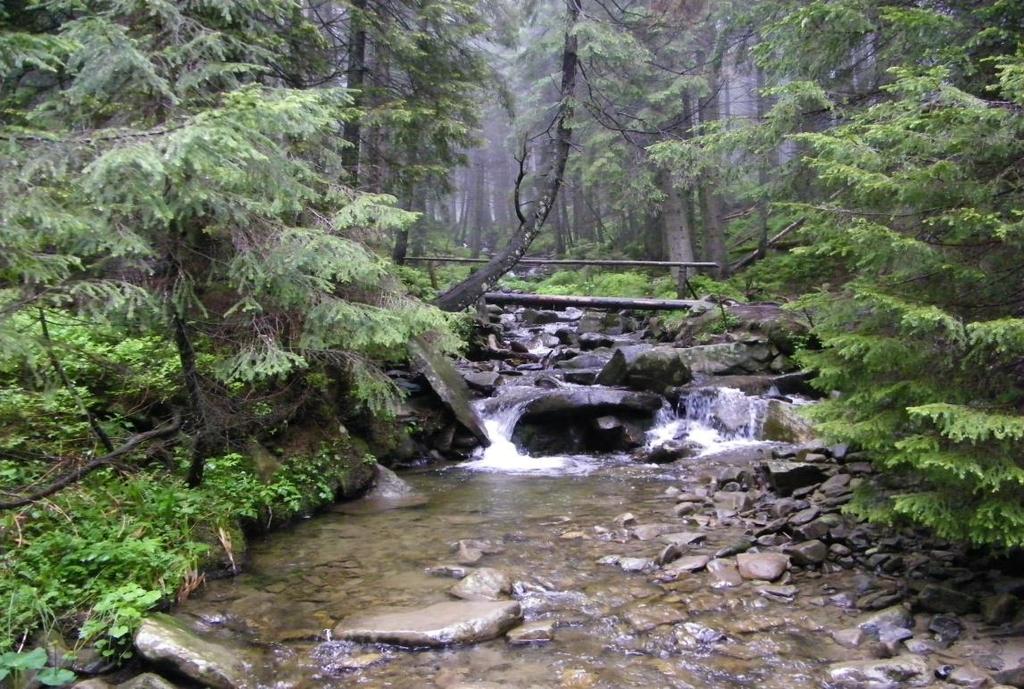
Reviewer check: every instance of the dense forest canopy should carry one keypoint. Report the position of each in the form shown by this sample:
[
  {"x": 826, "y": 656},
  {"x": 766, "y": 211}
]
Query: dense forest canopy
[{"x": 207, "y": 207}]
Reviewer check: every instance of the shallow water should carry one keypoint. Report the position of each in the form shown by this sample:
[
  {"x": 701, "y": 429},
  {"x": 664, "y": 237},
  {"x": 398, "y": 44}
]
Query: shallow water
[{"x": 614, "y": 629}]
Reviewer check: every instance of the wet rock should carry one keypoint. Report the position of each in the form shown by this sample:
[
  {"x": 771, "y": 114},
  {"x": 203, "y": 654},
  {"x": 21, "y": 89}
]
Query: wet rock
[
  {"x": 903, "y": 670},
  {"x": 728, "y": 358},
  {"x": 654, "y": 369},
  {"x": 836, "y": 485},
  {"x": 682, "y": 566},
  {"x": 787, "y": 477},
  {"x": 635, "y": 564},
  {"x": 851, "y": 637},
  {"x": 808, "y": 553},
  {"x": 625, "y": 519},
  {"x": 468, "y": 555},
  {"x": 999, "y": 609},
  {"x": 783, "y": 424},
  {"x": 452, "y": 571},
  {"x": 947, "y": 628},
  {"x": 441, "y": 624},
  {"x": 448, "y": 385},
  {"x": 741, "y": 546},
  {"x": 163, "y": 640},
  {"x": 532, "y": 633},
  {"x": 779, "y": 593},
  {"x": 936, "y": 598},
  {"x": 648, "y": 532},
  {"x": 893, "y": 616},
  {"x": 595, "y": 341},
  {"x": 672, "y": 451},
  {"x": 482, "y": 381},
  {"x": 813, "y": 531},
  {"x": 683, "y": 538},
  {"x": 536, "y": 317},
  {"x": 693, "y": 636},
  {"x": 483, "y": 584},
  {"x": 586, "y": 361},
  {"x": 669, "y": 553},
  {"x": 644, "y": 617},
  {"x": 763, "y": 566},
  {"x": 724, "y": 574},
  {"x": 970, "y": 676},
  {"x": 804, "y": 516}
]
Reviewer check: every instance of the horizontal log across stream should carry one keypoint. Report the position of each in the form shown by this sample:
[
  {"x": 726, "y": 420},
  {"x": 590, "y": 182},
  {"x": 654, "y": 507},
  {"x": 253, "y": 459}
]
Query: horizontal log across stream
[{"x": 559, "y": 301}]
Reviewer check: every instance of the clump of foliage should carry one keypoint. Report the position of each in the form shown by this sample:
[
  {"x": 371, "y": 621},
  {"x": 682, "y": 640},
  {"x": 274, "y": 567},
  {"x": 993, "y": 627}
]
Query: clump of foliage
[
  {"x": 923, "y": 324},
  {"x": 181, "y": 251}
]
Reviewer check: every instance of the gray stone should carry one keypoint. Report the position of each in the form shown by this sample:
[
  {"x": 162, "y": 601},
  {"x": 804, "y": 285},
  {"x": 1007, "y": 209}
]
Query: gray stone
[
  {"x": 441, "y": 624},
  {"x": 787, "y": 477},
  {"x": 888, "y": 673},
  {"x": 970, "y": 676},
  {"x": 937, "y": 598},
  {"x": 147, "y": 680},
  {"x": 763, "y": 566},
  {"x": 684, "y": 565},
  {"x": 484, "y": 381},
  {"x": 851, "y": 637},
  {"x": 808, "y": 552},
  {"x": 782, "y": 423},
  {"x": 642, "y": 367},
  {"x": 483, "y": 584},
  {"x": 894, "y": 616},
  {"x": 1000, "y": 608},
  {"x": 540, "y": 631},
  {"x": 164, "y": 640},
  {"x": 648, "y": 532},
  {"x": 448, "y": 385},
  {"x": 836, "y": 485},
  {"x": 724, "y": 574}
]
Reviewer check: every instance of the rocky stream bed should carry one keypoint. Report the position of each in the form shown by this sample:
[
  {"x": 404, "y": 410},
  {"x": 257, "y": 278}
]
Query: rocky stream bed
[{"x": 650, "y": 511}]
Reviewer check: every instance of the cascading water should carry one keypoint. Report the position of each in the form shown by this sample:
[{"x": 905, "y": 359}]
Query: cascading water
[
  {"x": 502, "y": 455},
  {"x": 712, "y": 419}
]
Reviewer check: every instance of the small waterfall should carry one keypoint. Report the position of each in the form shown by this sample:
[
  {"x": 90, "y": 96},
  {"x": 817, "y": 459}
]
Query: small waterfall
[
  {"x": 712, "y": 419},
  {"x": 500, "y": 416}
]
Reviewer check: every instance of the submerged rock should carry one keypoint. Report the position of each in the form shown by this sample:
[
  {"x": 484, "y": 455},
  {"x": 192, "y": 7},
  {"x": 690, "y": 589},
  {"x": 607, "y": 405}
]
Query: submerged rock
[
  {"x": 164, "y": 640},
  {"x": 908, "y": 670},
  {"x": 441, "y": 624},
  {"x": 483, "y": 584},
  {"x": 532, "y": 633}
]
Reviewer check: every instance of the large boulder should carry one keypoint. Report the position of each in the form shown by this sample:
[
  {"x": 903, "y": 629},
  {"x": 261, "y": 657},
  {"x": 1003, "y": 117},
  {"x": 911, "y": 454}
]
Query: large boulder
[
  {"x": 654, "y": 369},
  {"x": 728, "y": 358},
  {"x": 783, "y": 423},
  {"x": 448, "y": 385},
  {"x": 571, "y": 420},
  {"x": 163, "y": 640},
  {"x": 441, "y": 624}
]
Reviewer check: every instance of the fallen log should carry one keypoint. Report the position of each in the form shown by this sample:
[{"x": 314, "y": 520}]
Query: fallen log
[
  {"x": 607, "y": 263},
  {"x": 609, "y": 303},
  {"x": 755, "y": 256}
]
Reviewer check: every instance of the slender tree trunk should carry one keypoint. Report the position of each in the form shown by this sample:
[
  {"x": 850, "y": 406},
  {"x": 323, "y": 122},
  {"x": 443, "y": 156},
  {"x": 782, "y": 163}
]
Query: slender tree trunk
[
  {"x": 355, "y": 79},
  {"x": 710, "y": 199},
  {"x": 762, "y": 172},
  {"x": 467, "y": 292},
  {"x": 197, "y": 409},
  {"x": 476, "y": 231}
]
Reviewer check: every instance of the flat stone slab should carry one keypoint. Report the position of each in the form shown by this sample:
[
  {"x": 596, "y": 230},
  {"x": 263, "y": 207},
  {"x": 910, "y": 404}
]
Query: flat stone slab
[
  {"x": 442, "y": 624},
  {"x": 163, "y": 639}
]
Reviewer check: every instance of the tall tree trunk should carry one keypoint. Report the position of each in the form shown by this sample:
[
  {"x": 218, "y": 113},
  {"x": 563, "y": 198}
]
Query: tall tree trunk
[
  {"x": 480, "y": 213},
  {"x": 710, "y": 199},
  {"x": 762, "y": 171},
  {"x": 468, "y": 291},
  {"x": 355, "y": 79},
  {"x": 677, "y": 233}
]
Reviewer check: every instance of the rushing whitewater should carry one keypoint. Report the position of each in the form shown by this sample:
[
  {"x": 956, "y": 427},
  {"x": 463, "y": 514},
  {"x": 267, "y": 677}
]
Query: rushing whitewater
[
  {"x": 712, "y": 418},
  {"x": 502, "y": 455}
]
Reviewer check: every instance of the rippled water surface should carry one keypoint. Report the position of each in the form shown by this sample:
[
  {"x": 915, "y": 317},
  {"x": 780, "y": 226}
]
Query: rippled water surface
[{"x": 614, "y": 629}]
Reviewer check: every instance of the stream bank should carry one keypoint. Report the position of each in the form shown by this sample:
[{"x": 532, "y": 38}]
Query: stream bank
[{"x": 667, "y": 528}]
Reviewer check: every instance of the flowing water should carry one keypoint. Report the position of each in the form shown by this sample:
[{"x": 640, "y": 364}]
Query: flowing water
[{"x": 553, "y": 519}]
